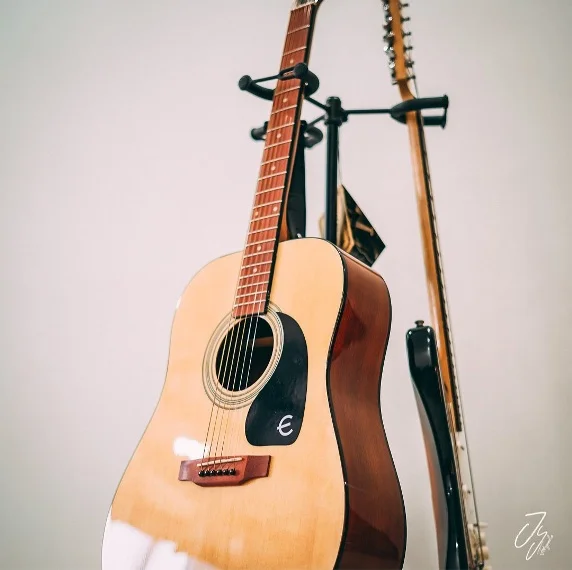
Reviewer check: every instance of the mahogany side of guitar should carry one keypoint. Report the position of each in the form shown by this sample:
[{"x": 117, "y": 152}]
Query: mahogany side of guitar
[{"x": 332, "y": 498}]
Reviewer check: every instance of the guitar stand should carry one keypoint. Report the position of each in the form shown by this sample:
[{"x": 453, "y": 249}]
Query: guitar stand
[{"x": 335, "y": 116}]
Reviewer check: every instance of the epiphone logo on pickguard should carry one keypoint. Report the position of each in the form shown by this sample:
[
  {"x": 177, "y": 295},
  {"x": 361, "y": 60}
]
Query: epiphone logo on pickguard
[{"x": 284, "y": 425}]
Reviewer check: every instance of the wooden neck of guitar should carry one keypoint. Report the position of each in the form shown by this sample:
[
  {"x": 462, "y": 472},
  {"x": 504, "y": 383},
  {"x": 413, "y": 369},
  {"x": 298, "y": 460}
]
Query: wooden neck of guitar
[
  {"x": 268, "y": 220},
  {"x": 433, "y": 264}
]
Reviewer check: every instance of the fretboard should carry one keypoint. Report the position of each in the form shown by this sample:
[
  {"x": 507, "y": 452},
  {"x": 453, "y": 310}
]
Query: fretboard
[
  {"x": 267, "y": 223},
  {"x": 434, "y": 266}
]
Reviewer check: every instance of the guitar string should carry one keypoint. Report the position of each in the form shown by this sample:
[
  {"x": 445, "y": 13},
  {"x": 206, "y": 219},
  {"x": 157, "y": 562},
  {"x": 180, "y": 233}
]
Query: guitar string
[
  {"x": 239, "y": 354},
  {"x": 240, "y": 417},
  {"x": 303, "y": 16},
  {"x": 244, "y": 358},
  {"x": 233, "y": 371},
  {"x": 231, "y": 329},
  {"x": 238, "y": 344},
  {"x": 231, "y": 340},
  {"x": 242, "y": 339},
  {"x": 237, "y": 331}
]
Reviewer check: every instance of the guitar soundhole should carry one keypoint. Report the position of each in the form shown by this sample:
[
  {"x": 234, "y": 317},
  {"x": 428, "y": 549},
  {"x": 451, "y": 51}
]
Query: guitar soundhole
[{"x": 244, "y": 354}]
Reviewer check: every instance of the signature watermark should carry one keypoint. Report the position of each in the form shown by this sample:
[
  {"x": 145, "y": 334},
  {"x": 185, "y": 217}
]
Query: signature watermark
[{"x": 537, "y": 540}]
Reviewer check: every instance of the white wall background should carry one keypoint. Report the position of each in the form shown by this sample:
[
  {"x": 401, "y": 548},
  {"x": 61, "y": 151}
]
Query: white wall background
[{"x": 121, "y": 175}]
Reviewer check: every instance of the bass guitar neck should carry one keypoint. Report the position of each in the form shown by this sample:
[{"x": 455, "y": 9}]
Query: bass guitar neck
[{"x": 430, "y": 349}]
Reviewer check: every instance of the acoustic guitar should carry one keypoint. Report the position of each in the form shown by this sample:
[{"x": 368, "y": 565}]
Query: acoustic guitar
[
  {"x": 460, "y": 535},
  {"x": 267, "y": 450}
]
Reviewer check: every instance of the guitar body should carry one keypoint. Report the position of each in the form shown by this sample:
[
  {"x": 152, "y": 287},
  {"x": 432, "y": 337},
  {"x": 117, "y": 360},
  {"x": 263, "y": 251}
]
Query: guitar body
[
  {"x": 330, "y": 497},
  {"x": 424, "y": 368}
]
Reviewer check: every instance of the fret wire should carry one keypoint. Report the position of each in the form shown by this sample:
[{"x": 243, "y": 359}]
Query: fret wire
[
  {"x": 276, "y": 110},
  {"x": 272, "y": 175},
  {"x": 259, "y": 242},
  {"x": 256, "y": 264},
  {"x": 284, "y": 109},
  {"x": 294, "y": 50},
  {"x": 247, "y": 295},
  {"x": 268, "y": 203},
  {"x": 274, "y": 121},
  {"x": 275, "y": 189},
  {"x": 277, "y": 144},
  {"x": 253, "y": 284},
  {"x": 277, "y": 199},
  {"x": 286, "y": 90},
  {"x": 260, "y": 253},
  {"x": 258, "y": 297},
  {"x": 267, "y": 252},
  {"x": 293, "y": 82},
  {"x": 298, "y": 29},
  {"x": 255, "y": 275},
  {"x": 263, "y": 230},
  {"x": 259, "y": 302},
  {"x": 258, "y": 217},
  {"x": 277, "y": 154},
  {"x": 254, "y": 220},
  {"x": 280, "y": 127},
  {"x": 291, "y": 51},
  {"x": 276, "y": 160}
]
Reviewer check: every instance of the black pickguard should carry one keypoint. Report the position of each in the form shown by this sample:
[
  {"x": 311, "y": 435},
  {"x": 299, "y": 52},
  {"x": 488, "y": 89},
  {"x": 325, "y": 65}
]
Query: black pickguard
[
  {"x": 275, "y": 417},
  {"x": 424, "y": 368}
]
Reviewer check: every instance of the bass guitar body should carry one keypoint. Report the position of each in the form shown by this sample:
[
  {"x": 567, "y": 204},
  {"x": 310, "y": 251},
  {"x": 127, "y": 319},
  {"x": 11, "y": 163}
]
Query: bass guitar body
[
  {"x": 288, "y": 470},
  {"x": 424, "y": 368}
]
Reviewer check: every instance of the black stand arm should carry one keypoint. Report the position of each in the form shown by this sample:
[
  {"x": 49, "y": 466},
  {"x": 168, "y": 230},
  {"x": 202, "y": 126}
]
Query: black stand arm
[
  {"x": 299, "y": 71},
  {"x": 334, "y": 117}
]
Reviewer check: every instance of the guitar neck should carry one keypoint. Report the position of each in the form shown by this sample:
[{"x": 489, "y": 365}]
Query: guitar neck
[
  {"x": 398, "y": 48},
  {"x": 440, "y": 324},
  {"x": 433, "y": 266},
  {"x": 268, "y": 220}
]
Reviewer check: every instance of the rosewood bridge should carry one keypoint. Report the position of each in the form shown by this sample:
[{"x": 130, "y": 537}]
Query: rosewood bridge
[{"x": 224, "y": 471}]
